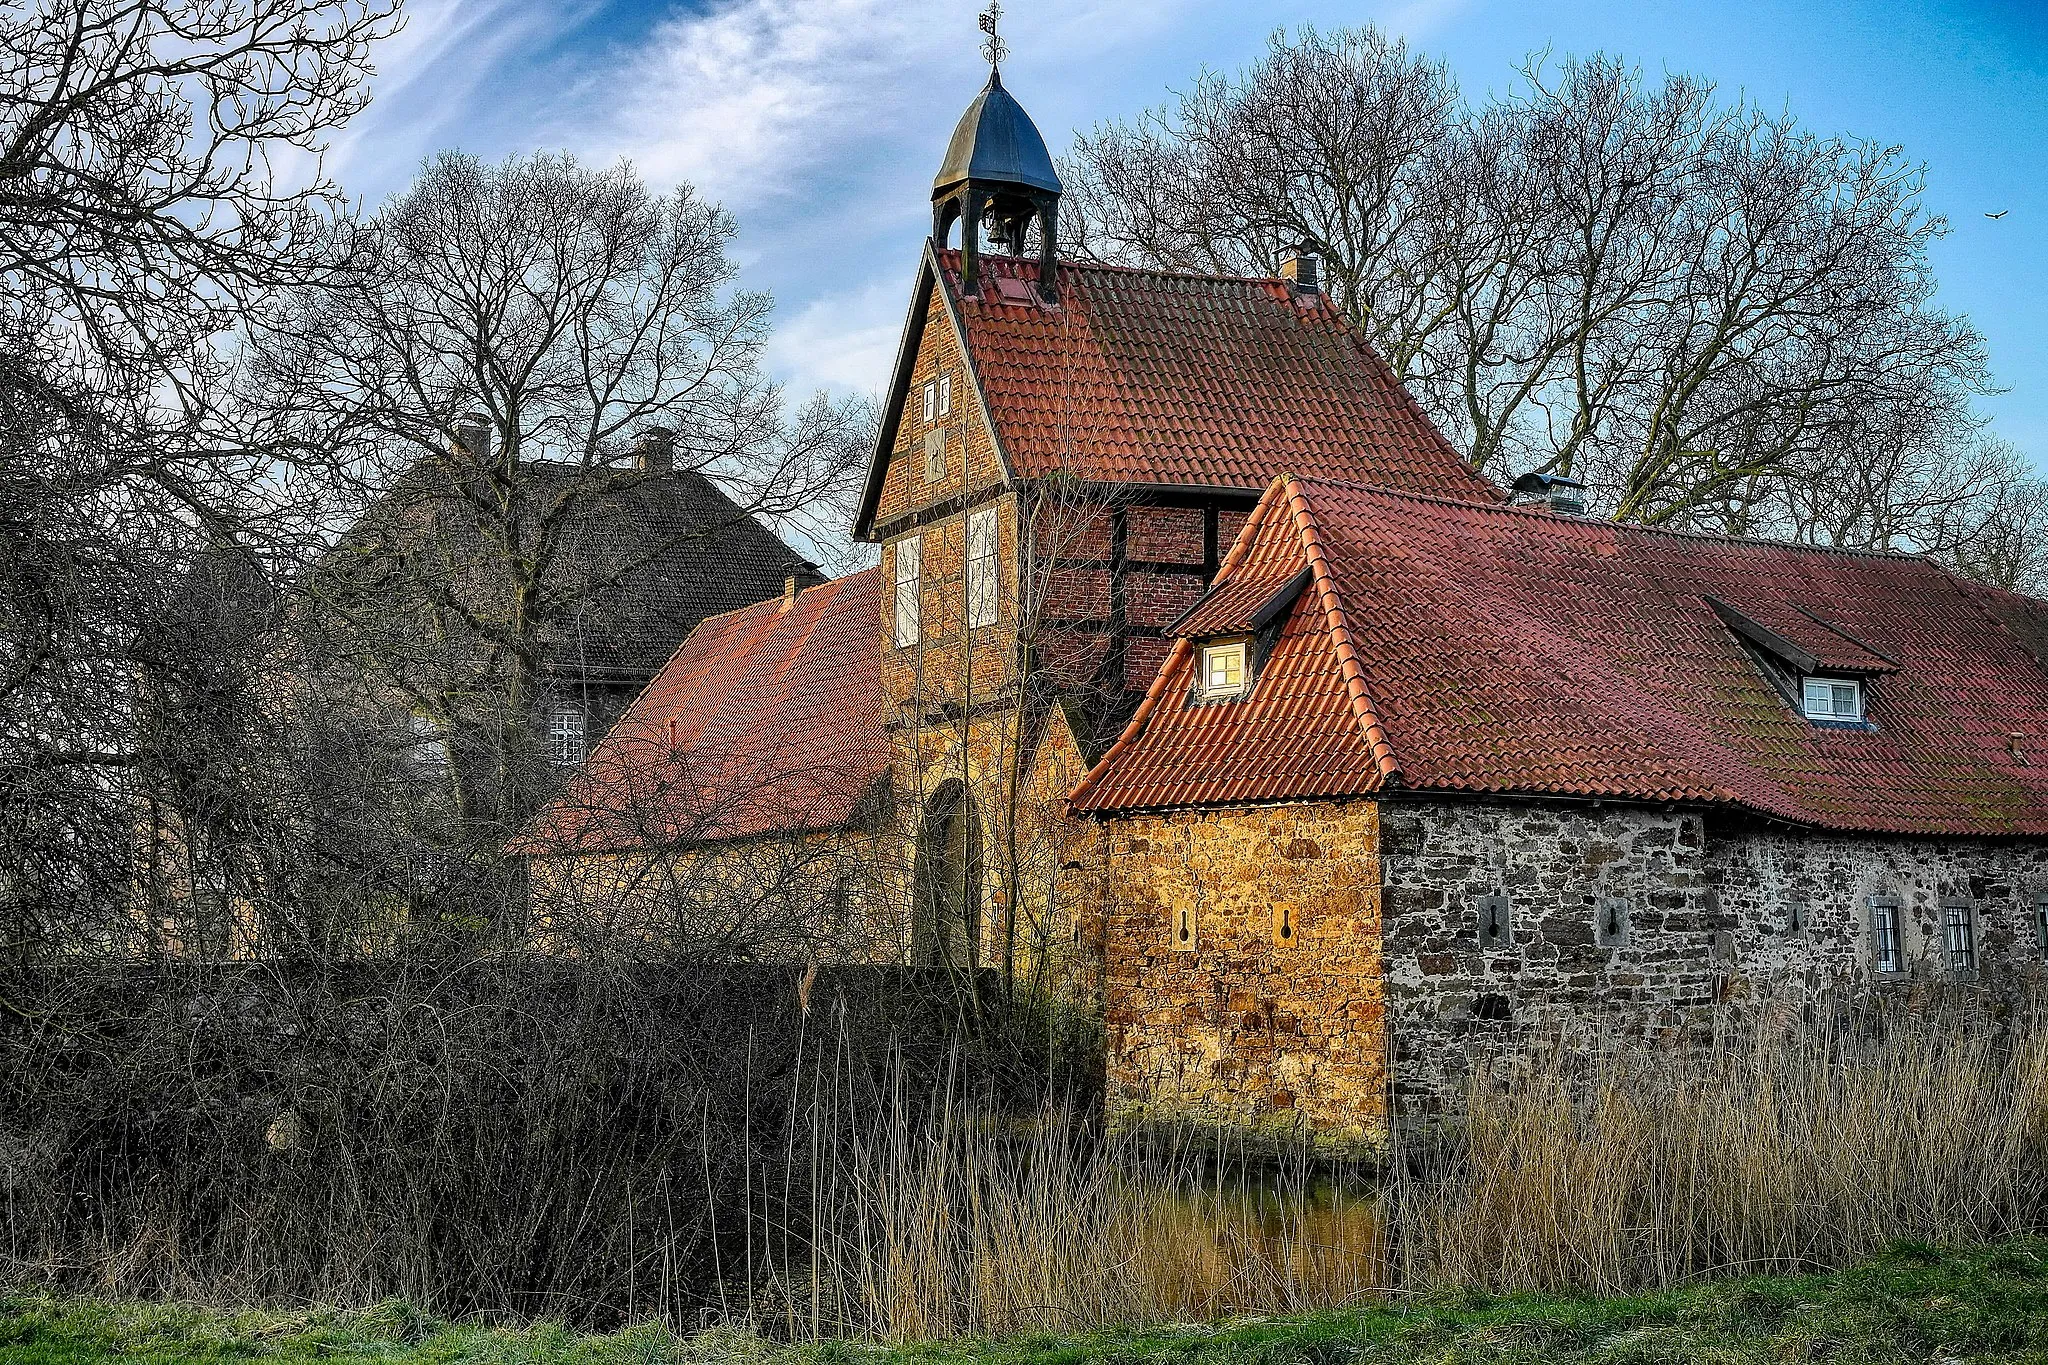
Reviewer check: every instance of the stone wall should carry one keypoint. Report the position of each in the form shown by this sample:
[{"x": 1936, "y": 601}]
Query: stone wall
[
  {"x": 1242, "y": 982},
  {"x": 1797, "y": 909},
  {"x": 1634, "y": 923}
]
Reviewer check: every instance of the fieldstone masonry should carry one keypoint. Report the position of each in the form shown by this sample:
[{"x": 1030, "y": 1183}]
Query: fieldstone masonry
[
  {"x": 1428, "y": 934},
  {"x": 1656, "y": 925},
  {"x": 1242, "y": 970}
]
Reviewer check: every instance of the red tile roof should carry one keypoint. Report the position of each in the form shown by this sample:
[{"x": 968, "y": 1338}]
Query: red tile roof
[
  {"x": 1151, "y": 377},
  {"x": 766, "y": 720},
  {"x": 1488, "y": 649}
]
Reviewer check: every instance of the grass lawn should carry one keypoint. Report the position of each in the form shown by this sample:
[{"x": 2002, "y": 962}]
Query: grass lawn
[{"x": 1912, "y": 1304}]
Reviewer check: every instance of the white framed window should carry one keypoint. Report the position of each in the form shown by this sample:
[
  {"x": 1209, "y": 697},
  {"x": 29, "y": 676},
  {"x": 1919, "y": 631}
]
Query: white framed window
[
  {"x": 931, "y": 402},
  {"x": 1888, "y": 953},
  {"x": 909, "y": 556},
  {"x": 1836, "y": 699},
  {"x": 565, "y": 735},
  {"x": 982, "y": 574},
  {"x": 945, "y": 395},
  {"x": 1959, "y": 938},
  {"x": 1226, "y": 669}
]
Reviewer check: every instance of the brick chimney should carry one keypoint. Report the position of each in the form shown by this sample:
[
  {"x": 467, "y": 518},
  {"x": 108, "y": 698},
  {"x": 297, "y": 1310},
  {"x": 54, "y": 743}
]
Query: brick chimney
[
  {"x": 472, "y": 436},
  {"x": 789, "y": 592},
  {"x": 654, "y": 451}
]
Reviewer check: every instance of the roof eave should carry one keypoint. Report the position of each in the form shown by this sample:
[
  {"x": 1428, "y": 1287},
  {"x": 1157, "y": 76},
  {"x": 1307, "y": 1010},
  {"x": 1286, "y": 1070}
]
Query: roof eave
[{"x": 897, "y": 395}]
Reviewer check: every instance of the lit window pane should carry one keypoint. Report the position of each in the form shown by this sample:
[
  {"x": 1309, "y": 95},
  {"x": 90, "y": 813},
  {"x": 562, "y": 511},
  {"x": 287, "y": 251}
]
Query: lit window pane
[{"x": 1223, "y": 668}]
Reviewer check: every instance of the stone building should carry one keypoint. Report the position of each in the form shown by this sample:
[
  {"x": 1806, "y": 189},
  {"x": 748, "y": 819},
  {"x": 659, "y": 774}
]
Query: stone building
[
  {"x": 630, "y": 558},
  {"x": 1421, "y": 775},
  {"x": 1200, "y": 671}
]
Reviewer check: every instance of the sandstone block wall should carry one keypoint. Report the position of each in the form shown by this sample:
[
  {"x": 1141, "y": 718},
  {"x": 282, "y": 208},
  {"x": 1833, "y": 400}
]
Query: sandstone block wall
[{"x": 1242, "y": 980}]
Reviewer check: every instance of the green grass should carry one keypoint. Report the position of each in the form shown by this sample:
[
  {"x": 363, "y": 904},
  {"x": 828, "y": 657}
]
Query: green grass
[{"x": 1913, "y": 1304}]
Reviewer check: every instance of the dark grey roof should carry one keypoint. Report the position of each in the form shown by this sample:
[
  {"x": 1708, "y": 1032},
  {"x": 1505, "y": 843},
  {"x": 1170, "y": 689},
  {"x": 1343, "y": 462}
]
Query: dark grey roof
[
  {"x": 639, "y": 559},
  {"x": 996, "y": 141},
  {"x": 656, "y": 557}
]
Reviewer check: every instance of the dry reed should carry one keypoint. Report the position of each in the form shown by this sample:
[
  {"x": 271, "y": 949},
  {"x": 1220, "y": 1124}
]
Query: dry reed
[{"x": 1807, "y": 1148}]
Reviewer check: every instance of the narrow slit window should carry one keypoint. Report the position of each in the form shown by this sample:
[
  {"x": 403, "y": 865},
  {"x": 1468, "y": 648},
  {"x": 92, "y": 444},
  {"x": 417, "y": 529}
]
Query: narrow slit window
[
  {"x": 1833, "y": 699},
  {"x": 945, "y": 395},
  {"x": 908, "y": 554},
  {"x": 931, "y": 402},
  {"x": 981, "y": 568},
  {"x": 1610, "y": 922},
  {"x": 1959, "y": 938},
  {"x": 1887, "y": 952},
  {"x": 1495, "y": 931},
  {"x": 565, "y": 735}
]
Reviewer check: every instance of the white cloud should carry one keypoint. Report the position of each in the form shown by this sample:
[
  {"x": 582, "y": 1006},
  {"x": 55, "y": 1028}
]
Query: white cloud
[{"x": 843, "y": 342}]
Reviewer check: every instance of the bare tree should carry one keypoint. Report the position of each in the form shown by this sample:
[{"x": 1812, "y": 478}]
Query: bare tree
[
  {"x": 1705, "y": 311},
  {"x": 140, "y": 210},
  {"x": 497, "y": 358}
]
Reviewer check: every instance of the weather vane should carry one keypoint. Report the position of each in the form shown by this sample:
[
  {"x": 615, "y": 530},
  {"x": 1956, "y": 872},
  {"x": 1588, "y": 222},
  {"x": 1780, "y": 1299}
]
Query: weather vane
[{"x": 995, "y": 49}]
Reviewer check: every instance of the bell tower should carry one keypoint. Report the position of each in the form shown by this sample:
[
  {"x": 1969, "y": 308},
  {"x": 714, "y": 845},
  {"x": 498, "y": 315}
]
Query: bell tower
[{"x": 997, "y": 177}]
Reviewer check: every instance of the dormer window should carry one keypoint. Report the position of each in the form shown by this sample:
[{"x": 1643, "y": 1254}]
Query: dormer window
[
  {"x": 1226, "y": 669},
  {"x": 1835, "y": 700}
]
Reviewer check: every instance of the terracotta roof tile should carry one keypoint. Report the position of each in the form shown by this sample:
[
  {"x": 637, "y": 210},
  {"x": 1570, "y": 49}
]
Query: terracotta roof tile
[
  {"x": 765, "y": 720},
  {"x": 1491, "y": 649},
  {"x": 1150, "y": 377}
]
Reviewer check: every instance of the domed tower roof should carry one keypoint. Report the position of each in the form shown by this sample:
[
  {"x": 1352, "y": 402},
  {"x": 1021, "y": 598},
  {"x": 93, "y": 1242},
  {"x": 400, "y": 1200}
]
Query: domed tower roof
[
  {"x": 998, "y": 178},
  {"x": 996, "y": 143}
]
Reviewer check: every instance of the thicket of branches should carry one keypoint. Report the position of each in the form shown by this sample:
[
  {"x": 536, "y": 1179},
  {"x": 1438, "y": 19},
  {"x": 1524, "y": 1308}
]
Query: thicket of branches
[{"x": 1715, "y": 317}]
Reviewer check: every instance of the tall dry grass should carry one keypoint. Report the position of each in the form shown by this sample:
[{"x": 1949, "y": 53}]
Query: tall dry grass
[
  {"x": 965, "y": 1226},
  {"x": 1615, "y": 1170},
  {"x": 1811, "y": 1147}
]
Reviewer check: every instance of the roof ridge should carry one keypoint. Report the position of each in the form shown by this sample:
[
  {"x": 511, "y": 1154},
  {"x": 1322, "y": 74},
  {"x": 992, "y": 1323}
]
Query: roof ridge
[
  {"x": 800, "y": 595},
  {"x": 951, "y": 254},
  {"x": 1636, "y": 527},
  {"x": 1338, "y": 623}
]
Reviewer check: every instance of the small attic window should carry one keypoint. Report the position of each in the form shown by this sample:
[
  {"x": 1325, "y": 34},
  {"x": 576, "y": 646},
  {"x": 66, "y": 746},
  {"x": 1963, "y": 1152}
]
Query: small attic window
[
  {"x": 931, "y": 402},
  {"x": 1226, "y": 669},
  {"x": 1836, "y": 700},
  {"x": 945, "y": 395}
]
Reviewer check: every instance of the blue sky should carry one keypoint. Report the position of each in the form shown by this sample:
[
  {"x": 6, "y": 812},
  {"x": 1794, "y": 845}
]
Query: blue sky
[{"x": 820, "y": 122}]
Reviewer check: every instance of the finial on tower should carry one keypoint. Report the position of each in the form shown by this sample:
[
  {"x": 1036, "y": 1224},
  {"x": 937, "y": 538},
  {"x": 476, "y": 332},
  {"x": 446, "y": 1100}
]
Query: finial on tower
[{"x": 995, "y": 49}]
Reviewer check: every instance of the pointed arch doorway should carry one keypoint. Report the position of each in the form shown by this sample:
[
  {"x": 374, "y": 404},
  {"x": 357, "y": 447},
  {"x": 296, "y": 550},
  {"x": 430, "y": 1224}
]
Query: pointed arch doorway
[{"x": 946, "y": 910}]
